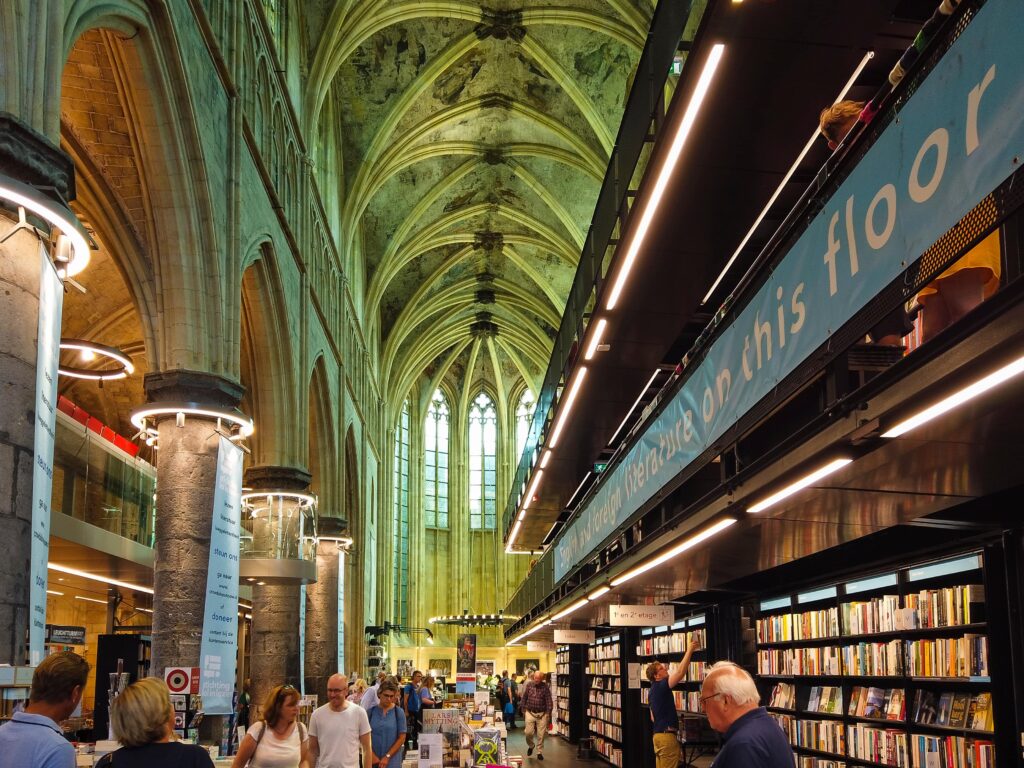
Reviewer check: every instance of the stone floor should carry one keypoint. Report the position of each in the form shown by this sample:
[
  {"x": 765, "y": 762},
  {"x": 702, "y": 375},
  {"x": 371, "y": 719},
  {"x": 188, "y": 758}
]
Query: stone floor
[{"x": 558, "y": 753}]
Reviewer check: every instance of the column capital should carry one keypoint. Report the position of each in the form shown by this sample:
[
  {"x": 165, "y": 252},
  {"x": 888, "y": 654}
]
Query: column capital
[
  {"x": 31, "y": 158},
  {"x": 273, "y": 478},
  {"x": 193, "y": 387},
  {"x": 328, "y": 526}
]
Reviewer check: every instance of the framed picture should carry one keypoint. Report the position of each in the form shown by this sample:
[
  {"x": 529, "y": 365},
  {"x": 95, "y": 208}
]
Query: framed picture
[
  {"x": 441, "y": 667},
  {"x": 405, "y": 668},
  {"x": 527, "y": 666},
  {"x": 485, "y": 668}
]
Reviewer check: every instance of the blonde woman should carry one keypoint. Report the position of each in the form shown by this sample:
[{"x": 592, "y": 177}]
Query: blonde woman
[
  {"x": 143, "y": 721},
  {"x": 357, "y": 691},
  {"x": 279, "y": 740}
]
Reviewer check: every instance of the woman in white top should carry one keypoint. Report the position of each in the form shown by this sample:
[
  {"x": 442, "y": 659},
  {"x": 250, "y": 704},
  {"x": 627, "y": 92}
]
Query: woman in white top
[{"x": 279, "y": 740}]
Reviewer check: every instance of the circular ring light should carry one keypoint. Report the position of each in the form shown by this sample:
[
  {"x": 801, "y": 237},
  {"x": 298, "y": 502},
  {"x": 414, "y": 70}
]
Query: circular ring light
[
  {"x": 54, "y": 213},
  {"x": 141, "y": 416},
  {"x": 90, "y": 351},
  {"x": 304, "y": 499},
  {"x": 342, "y": 541}
]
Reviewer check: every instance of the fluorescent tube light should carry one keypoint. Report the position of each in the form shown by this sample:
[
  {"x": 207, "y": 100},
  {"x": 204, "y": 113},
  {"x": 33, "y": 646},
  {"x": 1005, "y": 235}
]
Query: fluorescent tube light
[
  {"x": 54, "y": 592},
  {"x": 800, "y": 484},
  {"x": 785, "y": 179},
  {"x": 636, "y": 402},
  {"x": 958, "y": 398},
  {"x": 686, "y": 544},
  {"x": 598, "y": 592},
  {"x": 534, "y": 482},
  {"x": 512, "y": 537},
  {"x": 90, "y": 600},
  {"x": 578, "y": 489},
  {"x": 545, "y": 459},
  {"x": 94, "y": 577},
  {"x": 574, "y": 607},
  {"x": 665, "y": 173},
  {"x": 563, "y": 414},
  {"x": 595, "y": 338}
]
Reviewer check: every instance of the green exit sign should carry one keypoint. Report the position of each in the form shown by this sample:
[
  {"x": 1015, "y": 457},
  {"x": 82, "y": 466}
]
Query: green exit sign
[{"x": 600, "y": 466}]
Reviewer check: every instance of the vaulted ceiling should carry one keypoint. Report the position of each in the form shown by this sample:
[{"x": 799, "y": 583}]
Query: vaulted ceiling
[{"x": 474, "y": 140}]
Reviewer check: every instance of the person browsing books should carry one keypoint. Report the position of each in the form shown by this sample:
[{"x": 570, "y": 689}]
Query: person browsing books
[
  {"x": 537, "y": 707},
  {"x": 752, "y": 739},
  {"x": 664, "y": 717}
]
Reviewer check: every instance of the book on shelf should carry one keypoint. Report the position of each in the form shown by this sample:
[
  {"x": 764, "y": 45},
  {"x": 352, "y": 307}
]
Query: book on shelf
[
  {"x": 925, "y": 708},
  {"x": 875, "y": 706},
  {"x": 783, "y": 696},
  {"x": 958, "y": 710},
  {"x": 895, "y": 704},
  {"x": 980, "y": 713},
  {"x": 943, "y": 751},
  {"x": 965, "y": 656},
  {"x": 944, "y": 709}
]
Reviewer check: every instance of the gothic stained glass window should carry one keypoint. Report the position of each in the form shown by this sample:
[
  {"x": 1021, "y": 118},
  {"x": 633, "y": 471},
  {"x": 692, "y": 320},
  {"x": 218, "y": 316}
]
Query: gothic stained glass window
[
  {"x": 435, "y": 463},
  {"x": 524, "y": 417},
  {"x": 400, "y": 516},
  {"x": 483, "y": 450}
]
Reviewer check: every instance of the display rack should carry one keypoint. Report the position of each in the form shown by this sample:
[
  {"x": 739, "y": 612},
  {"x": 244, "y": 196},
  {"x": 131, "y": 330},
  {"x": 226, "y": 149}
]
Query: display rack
[
  {"x": 890, "y": 669},
  {"x": 134, "y": 652},
  {"x": 604, "y": 699}
]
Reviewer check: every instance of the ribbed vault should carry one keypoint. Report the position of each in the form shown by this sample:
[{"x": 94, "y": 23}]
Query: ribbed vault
[{"x": 474, "y": 139}]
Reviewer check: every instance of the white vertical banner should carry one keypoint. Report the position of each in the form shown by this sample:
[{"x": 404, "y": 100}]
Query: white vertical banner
[
  {"x": 219, "y": 649},
  {"x": 302, "y": 639},
  {"x": 51, "y": 300},
  {"x": 341, "y": 611}
]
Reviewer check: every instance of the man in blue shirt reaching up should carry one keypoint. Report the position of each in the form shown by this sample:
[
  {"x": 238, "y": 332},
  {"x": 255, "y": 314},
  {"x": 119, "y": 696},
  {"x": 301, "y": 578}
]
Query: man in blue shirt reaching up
[
  {"x": 663, "y": 707},
  {"x": 33, "y": 737}
]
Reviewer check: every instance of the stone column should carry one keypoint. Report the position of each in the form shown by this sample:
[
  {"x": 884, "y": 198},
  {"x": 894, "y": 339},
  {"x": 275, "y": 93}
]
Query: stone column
[
  {"x": 274, "y": 644},
  {"x": 322, "y": 619},
  {"x": 29, "y": 158},
  {"x": 186, "y": 472}
]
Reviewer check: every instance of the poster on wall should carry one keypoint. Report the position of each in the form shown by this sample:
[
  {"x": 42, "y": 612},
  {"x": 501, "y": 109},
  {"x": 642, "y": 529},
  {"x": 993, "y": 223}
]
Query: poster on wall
[
  {"x": 527, "y": 666},
  {"x": 441, "y": 668},
  {"x": 219, "y": 647},
  {"x": 405, "y": 668},
  {"x": 465, "y": 664},
  {"x": 51, "y": 299},
  {"x": 485, "y": 668}
]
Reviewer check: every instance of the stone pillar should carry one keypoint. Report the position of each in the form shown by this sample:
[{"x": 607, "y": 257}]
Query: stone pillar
[
  {"x": 186, "y": 471},
  {"x": 322, "y": 619},
  {"x": 29, "y": 158},
  {"x": 274, "y": 644}
]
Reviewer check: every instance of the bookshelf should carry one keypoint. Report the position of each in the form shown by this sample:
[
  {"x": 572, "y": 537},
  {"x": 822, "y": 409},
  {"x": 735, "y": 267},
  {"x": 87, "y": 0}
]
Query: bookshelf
[
  {"x": 890, "y": 669},
  {"x": 562, "y": 680},
  {"x": 604, "y": 697},
  {"x": 671, "y": 642},
  {"x": 134, "y": 653}
]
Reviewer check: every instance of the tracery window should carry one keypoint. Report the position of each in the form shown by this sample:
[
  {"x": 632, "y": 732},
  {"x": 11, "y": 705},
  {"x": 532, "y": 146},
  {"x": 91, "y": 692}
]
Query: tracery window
[
  {"x": 435, "y": 463},
  {"x": 483, "y": 449},
  {"x": 524, "y": 418},
  {"x": 400, "y": 517}
]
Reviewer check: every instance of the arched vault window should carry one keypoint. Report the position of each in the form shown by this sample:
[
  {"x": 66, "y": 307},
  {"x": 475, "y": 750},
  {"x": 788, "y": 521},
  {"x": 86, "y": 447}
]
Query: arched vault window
[
  {"x": 435, "y": 463},
  {"x": 524, "y": 418},
  {"x": 400, "y": 517},
  {"x": 483, "y": 449}
]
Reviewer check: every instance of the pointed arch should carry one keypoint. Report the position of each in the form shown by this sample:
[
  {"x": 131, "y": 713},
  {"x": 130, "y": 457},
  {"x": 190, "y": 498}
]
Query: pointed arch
[{"x": 482, "y": 443}]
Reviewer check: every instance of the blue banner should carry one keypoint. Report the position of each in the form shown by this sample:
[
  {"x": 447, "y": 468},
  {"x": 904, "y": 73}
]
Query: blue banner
[
  {"x": 958, "y": 137},
  {"x": 219, "y": 649}
]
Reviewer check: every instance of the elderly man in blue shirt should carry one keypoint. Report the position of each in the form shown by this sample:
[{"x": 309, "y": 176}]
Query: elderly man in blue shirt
[{"x": 33, "y": 737}]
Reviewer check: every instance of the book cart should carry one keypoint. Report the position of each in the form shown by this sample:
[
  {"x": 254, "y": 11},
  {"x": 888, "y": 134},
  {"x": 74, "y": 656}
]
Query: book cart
[
  {"x": 889, "y": 669},
  {"x": 604, "y": 697}
]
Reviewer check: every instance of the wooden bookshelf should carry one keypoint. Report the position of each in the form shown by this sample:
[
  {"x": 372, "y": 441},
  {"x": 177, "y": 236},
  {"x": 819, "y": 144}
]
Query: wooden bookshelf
[{"x": 604, "y": 697}]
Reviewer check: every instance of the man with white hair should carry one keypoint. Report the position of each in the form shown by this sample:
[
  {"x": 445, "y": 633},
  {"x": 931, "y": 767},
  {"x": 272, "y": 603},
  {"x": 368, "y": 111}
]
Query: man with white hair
[{"x": 752, "y": 738}]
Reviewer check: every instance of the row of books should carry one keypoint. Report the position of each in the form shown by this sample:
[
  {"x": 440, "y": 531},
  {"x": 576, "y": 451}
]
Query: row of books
[
  {"x": 955, "y": 710},
  {"x": 695, "y": 671},
  {"x": 878, "y": 703},
  {"x": 601, "y": 728},
  {"x": 610, "y": 751},
  {"x": 677, "y": 642},
  {"x": 878, "y": 744},
  {"x": 809, "y": 625},
  {"x": 686, "y": 701},
  {"x": 951, "y": 752},
  {"x": 607, "y": 714},
  {"x": 596, "y": 652},
  {"x": 804, "y": 761},
  {"x": 606, "y": 683},
  {"x": 927, "y": 608},
  {"x": 603, "y": 667},
  {"x": 608, "y": 699},
  {"x": 820, "y": 735},
  {"x": 965, "y": 656}
]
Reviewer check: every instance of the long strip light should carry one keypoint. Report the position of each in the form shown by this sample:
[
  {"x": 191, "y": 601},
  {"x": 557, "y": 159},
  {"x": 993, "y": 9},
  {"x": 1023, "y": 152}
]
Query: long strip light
[
  {"x": 54, "y": 592},
  {"x": 579, "y": 488},
  {"x": 90, "y": 600},
  {"x": 572, "y": 608},
  {"x": 545, "y": 459},
  {"x": 684, "y": 545},
  {"x": 563, "y": 414},
  {"x": 958, "y": 398},
  {"x": 785, "y": 179},
  {"x": 513, "y": 535},
  {"x": 539, "y": 625},
  {"x": 94, "y": 577},
  {"x": 534, "y": 482},
  {"x": 667, "y": 169},
  {"x": 798, "y": 485},
  {"x": 625, "y": 419},
  {"x": 602, "y": 590},
  {"x": 595, "y": 338}
]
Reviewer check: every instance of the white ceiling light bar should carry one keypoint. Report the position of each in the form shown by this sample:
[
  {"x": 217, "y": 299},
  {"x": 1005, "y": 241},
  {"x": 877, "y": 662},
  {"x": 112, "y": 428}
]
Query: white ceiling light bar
[
  {"x": 532, "y": 489},
  {"x": 602, "y": 590},
  {"x": 574, "y": 607},
  {"x": 578, "y": 489},
  {"x": 595, "y": 338},
  {"x": 785, "y": 179},
  {"x": 636, "y": 402},
  {"x": 958, "y": 398},
  {"x": 684, "y": 545},
  {"x": 545, "y": 459},
  {"x": 665, "y": 173},
  {"x": 514, "y": 534},
  {"x": 54, "y": 592},
  {"x": 94, "y": 577},
  {"x": 90, "y": 600},
  {"x": 798, "y": 485},
  {"x": 563, "y": 414}
]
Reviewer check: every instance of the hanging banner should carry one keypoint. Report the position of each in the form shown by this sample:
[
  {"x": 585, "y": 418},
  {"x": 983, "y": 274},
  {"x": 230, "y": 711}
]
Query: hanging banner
[
  {"x": 341, "y": 610},
  {"x": 465, "y": 664},
  {"x": 574, "y": 636},
  {"x": 302, "y": 639},
  {"x": 219, "y": 648},
  {"x": 58, "y": 635},
  {"x": 640, "y": 615},
  {"x": 51, "y": 300},
  {"x": 958, "y": 137}
]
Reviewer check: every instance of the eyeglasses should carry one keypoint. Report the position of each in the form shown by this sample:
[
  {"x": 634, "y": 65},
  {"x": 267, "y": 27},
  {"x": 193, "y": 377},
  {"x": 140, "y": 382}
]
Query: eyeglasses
[
  {"x": 286, "y": 690},
  {"x": 705, "y": 699}
]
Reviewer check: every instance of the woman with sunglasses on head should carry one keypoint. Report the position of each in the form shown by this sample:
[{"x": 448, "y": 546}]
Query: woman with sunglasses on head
[
  {"x": 388, "y": 724},
  {"x": 279, "y": 739}
]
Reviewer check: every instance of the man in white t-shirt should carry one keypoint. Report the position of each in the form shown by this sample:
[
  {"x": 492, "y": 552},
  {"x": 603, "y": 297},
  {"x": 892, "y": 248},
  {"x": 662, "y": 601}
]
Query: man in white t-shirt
[{"x": 338, "y": 729}]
